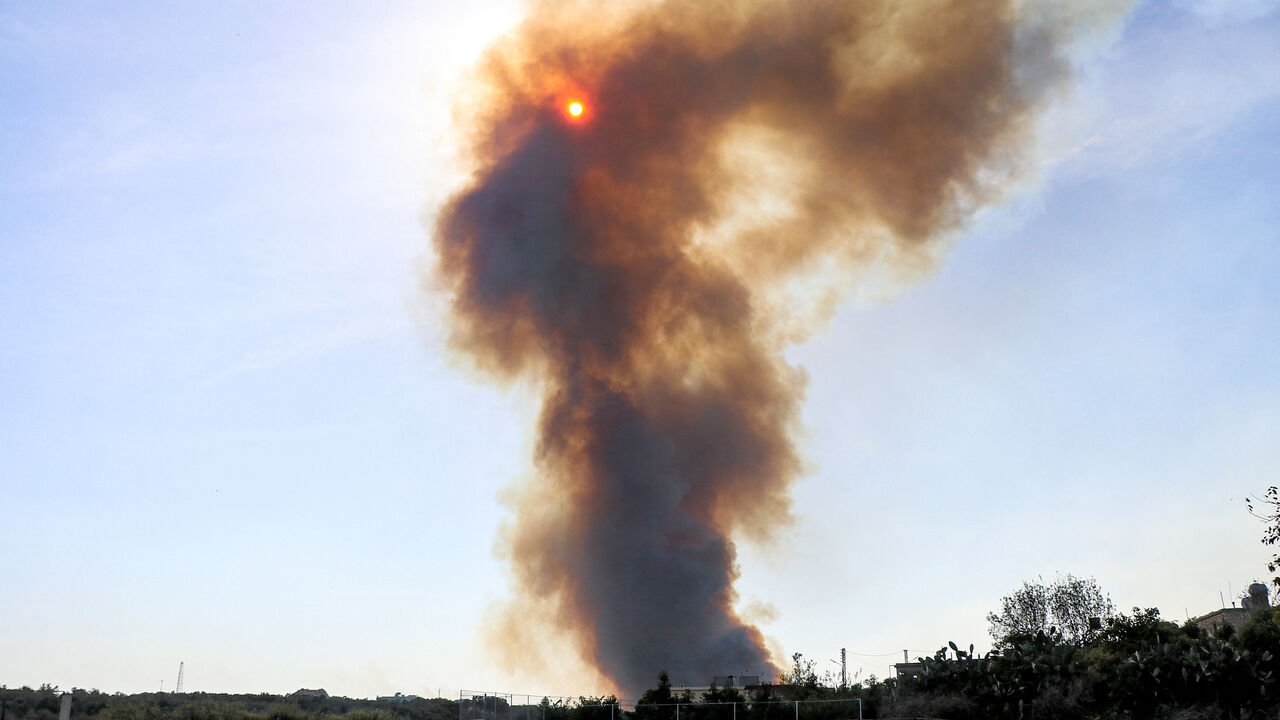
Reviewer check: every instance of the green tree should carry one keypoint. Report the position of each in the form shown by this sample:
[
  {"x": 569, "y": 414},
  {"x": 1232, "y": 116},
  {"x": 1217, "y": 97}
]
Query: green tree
[
  {"x": 657, "y": 703},
  {"x": 598, "y": 707},
  {"x": 1075, "y": 608},
  {"x": 1023, "y": 613},
  {"x": 801, "y": 678},
  {"x": 723, "y": 695}
]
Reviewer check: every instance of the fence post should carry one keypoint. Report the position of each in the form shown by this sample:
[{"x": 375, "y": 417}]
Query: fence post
[{"x": 797, "y": 710}]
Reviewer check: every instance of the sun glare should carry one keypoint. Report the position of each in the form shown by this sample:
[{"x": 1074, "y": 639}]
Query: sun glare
[{"x": 575, "y": 108}]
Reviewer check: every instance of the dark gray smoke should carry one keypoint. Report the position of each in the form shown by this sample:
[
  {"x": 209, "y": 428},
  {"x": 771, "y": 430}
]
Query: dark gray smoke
[{"x": 631, "y": 261}]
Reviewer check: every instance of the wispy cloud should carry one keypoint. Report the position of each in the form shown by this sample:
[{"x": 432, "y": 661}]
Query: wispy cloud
[{"x": 1168, "y": 90}]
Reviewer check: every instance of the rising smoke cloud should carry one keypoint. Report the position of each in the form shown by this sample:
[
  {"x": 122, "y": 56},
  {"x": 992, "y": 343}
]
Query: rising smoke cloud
[{"x": 642, "y": 265}]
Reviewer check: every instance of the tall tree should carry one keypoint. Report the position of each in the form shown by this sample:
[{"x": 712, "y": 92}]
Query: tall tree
[
  {"x": 1074, "y": 607},
  {"x": 1025, "y": 611},
  {"x": 657, "y": 703}
]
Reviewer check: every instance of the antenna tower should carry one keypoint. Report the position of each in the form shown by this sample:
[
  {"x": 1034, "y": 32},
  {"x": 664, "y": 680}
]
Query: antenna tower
[{"x": 178, "y": 688}]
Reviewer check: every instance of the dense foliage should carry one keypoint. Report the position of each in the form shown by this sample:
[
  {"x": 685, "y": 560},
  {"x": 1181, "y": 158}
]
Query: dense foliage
[
  {"x": 1138, "y": 666},
  {"x": 1135, "y": 667},
  {"x": 1075, "y": 608}
]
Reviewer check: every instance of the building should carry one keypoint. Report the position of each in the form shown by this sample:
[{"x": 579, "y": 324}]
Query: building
[
  {"x": 1236, "y": 617},
  {"x": 735, "y": 681},
  {"x": 397, "y": 698},
  {"x": 908, "y": 669},
  {"x": 1233, "y": 616}
]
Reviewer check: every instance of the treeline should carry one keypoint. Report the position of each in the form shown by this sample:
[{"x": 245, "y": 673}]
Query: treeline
[
  {"x": 44, "y": 703},
  {"x": 1137, "y": 667},
  {"x": 809, "y": 699},
  {"x": 1132, "y": 667}
]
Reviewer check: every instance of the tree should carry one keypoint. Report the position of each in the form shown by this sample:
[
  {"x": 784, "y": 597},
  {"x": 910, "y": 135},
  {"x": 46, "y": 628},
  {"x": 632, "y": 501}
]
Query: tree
[
  {"x": 801, "y": 672},
  {"x": 723, "y": 695},
  {"x": 1267, "y": 509},
  {"x": 801, "y": 678},
  {"x": 1073, "y": 607},
  {"x": 660, "y": 695},
  {"x": 1126, "y": 634},
  {"x": 1079, "y": 607},
  {"x": 1023, "y": 613},
  {"x": 595, "y": 707},
  {"x": 657, "y": 703}
]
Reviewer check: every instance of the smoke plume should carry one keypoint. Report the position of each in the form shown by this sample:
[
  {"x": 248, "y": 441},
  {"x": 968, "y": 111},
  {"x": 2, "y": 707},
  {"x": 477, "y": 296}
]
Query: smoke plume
[{"x": 736, "y": 168}]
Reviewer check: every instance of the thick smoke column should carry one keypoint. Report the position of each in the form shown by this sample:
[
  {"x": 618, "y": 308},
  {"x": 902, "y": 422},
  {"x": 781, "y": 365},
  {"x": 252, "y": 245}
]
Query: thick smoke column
[{"x": 633, "y": 261}]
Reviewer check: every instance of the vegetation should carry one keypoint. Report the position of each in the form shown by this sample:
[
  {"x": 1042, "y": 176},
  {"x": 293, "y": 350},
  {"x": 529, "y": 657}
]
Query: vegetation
[
  {"x": 1063, "y": 652},
  {"x": 1132, "y": 667},
  {"x": 1073, "y": 607},
  {"x": 1050, "y": 663},
  {"x": 45, "y": 702},
  {"x": 1267, "y": 509},
  {"x": 1139, "y": 666},
  {"x": 800, "y": 693}
]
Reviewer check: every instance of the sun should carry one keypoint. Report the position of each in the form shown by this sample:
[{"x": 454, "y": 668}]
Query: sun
[{"x": 574, "y": 107}]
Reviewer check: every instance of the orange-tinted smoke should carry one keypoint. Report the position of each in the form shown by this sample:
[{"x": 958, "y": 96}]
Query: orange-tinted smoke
[{"x": 611, "y": 258}]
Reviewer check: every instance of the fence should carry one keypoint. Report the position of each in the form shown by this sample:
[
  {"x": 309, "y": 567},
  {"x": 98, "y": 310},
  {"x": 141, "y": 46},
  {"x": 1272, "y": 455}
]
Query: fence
[{"x": 473, "y": 705}]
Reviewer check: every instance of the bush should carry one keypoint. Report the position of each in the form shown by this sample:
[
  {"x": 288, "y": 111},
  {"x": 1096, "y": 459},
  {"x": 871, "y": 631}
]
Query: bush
[{"x": 948, "y": 705}]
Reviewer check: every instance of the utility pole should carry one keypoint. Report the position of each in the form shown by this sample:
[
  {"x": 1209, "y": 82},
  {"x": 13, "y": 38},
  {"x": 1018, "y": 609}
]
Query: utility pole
[{"x": 844, "y": 670}]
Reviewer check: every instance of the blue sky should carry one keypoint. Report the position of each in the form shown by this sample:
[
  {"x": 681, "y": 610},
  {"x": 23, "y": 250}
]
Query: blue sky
[{"x": 229, "y": 435}]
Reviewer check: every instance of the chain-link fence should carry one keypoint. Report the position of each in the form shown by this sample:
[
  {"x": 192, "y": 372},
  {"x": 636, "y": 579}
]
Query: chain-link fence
[
  {"x": 485, "y": 705},
  {"x": 830, "y": 709}
]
